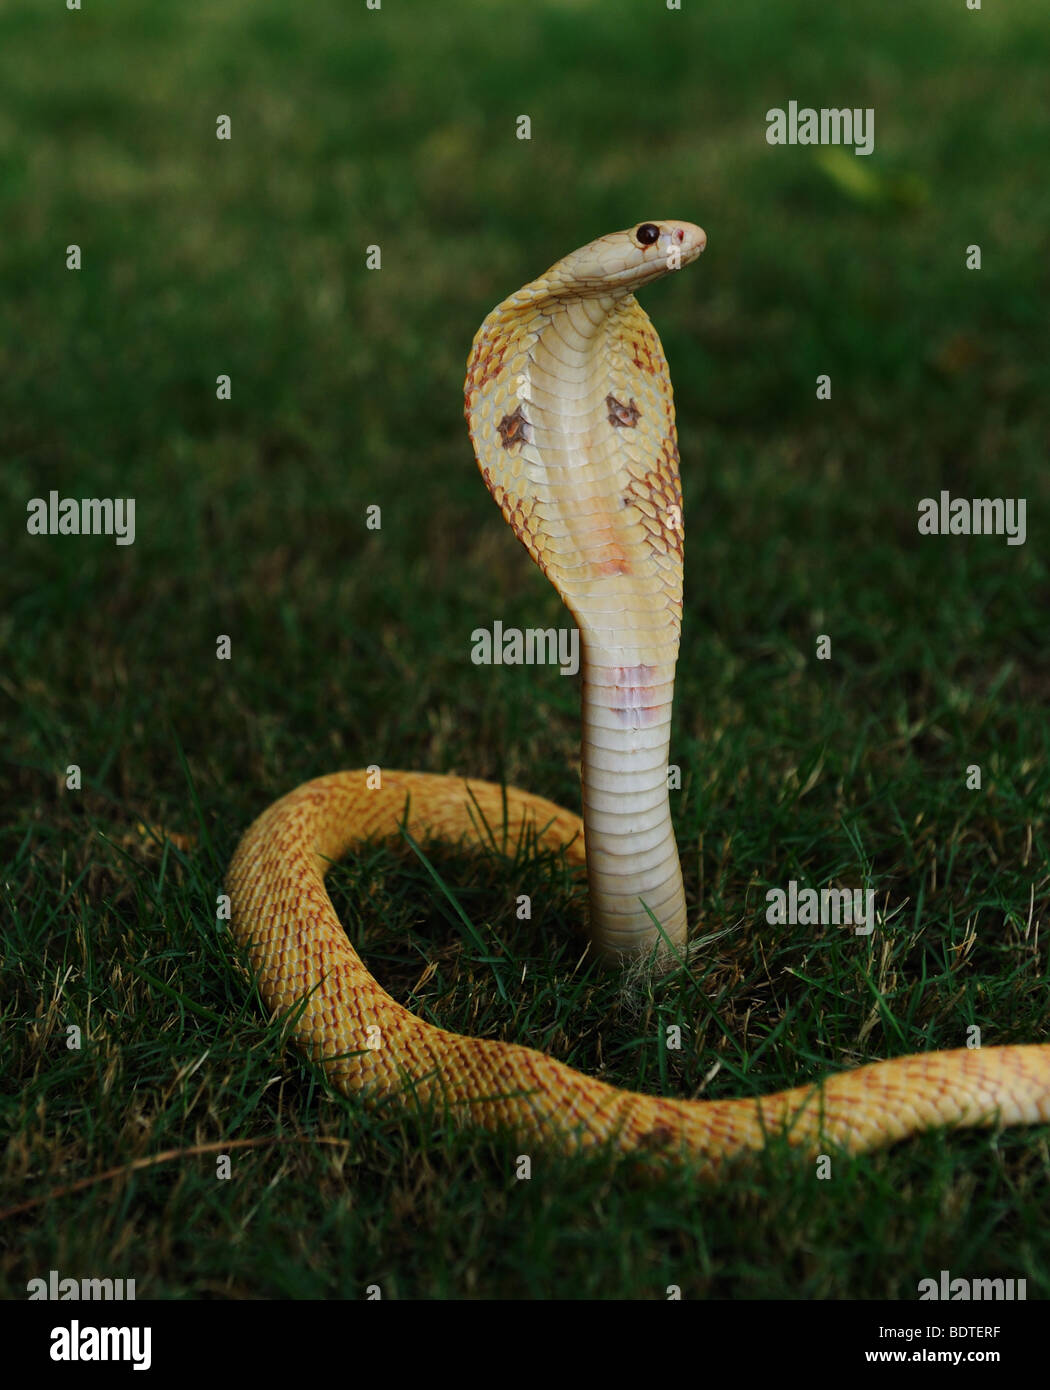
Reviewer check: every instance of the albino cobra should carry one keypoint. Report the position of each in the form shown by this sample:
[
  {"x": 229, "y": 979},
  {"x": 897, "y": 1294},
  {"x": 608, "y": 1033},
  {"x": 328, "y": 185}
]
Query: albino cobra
[{"x": 569, "y": 406}]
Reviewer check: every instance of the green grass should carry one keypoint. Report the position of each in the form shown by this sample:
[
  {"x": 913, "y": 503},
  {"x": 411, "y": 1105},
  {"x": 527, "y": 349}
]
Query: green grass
[{"x": 352, "y": 647}]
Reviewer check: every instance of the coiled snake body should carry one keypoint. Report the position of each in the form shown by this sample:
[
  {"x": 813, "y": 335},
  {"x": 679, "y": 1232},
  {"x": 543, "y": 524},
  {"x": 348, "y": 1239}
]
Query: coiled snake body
[{"x": 570, "y": 411}]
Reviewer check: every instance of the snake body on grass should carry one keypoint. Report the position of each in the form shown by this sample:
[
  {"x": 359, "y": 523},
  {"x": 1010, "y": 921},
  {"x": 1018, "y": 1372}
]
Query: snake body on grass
[{"x": 569, "y": 405}]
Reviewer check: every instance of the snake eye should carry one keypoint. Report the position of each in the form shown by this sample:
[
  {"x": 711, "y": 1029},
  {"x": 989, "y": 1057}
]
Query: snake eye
[{"x": 647, "y": 233}]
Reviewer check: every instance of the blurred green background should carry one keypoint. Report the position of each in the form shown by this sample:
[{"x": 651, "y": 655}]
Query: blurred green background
[{"x": 397, "y": 127}]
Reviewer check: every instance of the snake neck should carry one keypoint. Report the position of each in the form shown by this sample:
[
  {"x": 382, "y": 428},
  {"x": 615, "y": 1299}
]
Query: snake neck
[
  {"x": 633, "y": 869},
  {"x": 570, "y": 409}
]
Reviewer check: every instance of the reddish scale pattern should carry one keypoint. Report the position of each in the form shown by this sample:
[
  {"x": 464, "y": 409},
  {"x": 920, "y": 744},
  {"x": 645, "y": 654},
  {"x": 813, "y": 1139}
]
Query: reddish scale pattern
[
  {"x": 662, "y": 490},
  {"x": 486, "y": 363},
  {"x": 612, "y": 559},
  {"x": 517, "y": 513},
  {"x": 635, "y": 702},
  {"x": 642, "y": 348}
]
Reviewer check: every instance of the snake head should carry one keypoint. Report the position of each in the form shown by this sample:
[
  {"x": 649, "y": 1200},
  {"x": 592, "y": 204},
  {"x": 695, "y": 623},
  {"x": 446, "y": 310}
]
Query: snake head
[{"x": 623, "y": 261}]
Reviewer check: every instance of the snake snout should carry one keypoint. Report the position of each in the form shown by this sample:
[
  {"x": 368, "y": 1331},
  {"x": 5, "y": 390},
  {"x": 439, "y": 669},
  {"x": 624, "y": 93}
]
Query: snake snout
[{"x": 684, "y": 238}]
